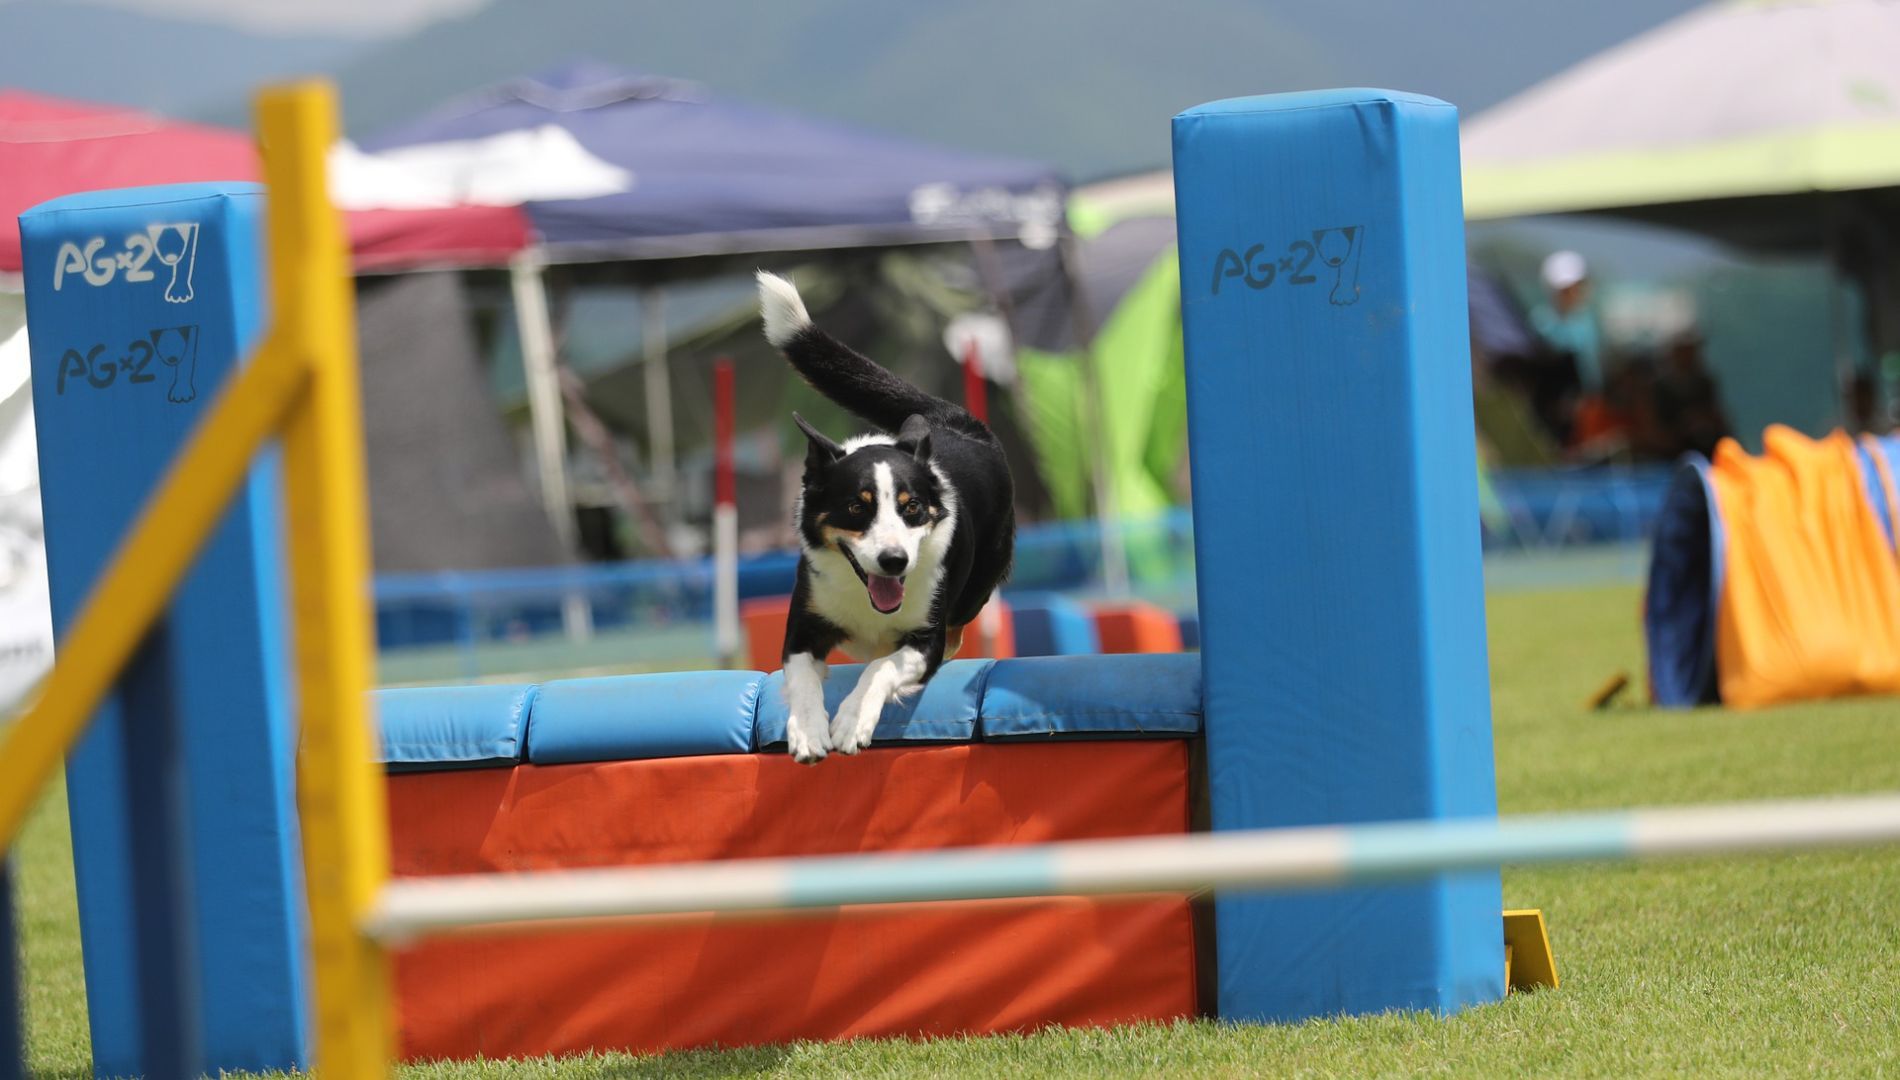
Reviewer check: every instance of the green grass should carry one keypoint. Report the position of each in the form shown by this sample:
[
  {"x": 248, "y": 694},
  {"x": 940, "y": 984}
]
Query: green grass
[{"x": 1744, "y": 967}]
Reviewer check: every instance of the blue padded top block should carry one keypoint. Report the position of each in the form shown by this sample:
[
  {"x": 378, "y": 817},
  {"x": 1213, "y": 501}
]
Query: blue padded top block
[
  {"x": 142, "y": 304},
  {"x": 630, "y": 717},
  {"x": 946, "y": 711},
  {"x": 1190, "y": 631},
  {"x": 1050, "y": 624},
  {"x": 1328, "y": 369},
  {"x": 1092, "y": 696},
  {"x": 446, "y": 726}
]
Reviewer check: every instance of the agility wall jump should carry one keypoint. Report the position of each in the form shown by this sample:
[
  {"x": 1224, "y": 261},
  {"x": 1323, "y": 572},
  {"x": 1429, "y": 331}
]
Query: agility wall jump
[
  {"x": 1343, "y": 657},
  {"x": 301, "y": 380}
]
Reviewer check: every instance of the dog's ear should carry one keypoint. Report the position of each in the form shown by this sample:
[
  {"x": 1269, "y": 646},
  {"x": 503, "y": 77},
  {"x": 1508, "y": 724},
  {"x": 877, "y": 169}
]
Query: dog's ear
[
  {"x": 915, "y": 437},
  {"x": 820, "y": 450}
]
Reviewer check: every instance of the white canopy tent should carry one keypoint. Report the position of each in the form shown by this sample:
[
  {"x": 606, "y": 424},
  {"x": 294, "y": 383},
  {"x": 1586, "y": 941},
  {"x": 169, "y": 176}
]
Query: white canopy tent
[
  {"x": 1773, "y": 125},
  {"x": 26, "y": 629},
  {"x": 1735, "y": 99}
]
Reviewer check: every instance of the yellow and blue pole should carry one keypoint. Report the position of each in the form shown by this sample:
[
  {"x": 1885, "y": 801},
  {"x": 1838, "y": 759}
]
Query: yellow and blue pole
[
  {"x": 1235, "y": 861},
  {"x": 340, "y": 794}
]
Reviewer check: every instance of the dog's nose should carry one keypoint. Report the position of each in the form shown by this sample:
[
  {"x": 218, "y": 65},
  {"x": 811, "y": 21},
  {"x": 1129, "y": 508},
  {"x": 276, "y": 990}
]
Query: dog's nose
[{"x": 892, "y": 560}]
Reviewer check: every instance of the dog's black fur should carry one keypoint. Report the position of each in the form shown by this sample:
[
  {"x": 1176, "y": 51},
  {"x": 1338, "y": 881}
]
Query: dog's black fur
[{"x": 945, "y": 458}]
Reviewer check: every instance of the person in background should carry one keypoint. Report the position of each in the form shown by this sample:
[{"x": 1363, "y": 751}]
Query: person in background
[
  {"x": 1863, "y": 405},
  {"x": 1567, "y": 321},
  {"x": 1688, "y": 401}
]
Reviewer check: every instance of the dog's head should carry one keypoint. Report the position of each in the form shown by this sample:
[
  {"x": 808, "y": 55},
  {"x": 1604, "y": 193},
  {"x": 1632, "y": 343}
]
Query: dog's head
[{"x": 874, "y": 501}]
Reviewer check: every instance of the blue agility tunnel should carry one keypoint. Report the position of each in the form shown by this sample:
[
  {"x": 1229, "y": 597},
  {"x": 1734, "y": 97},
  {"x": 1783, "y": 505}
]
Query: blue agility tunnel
[{"x": 1685, "y": 581}]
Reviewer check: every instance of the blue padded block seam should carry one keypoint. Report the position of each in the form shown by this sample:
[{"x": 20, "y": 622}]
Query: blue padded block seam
[
  {"x": 77, "y": 202},
  {"x": 982, "y": 699},
  {"x": 528, "y": 699},
  {"x": 1130, "y": 735},
  {"x": 1020, "y": 722},
  {"x": 1348, "y": 103},
  {"x": 752, "y": 723}
]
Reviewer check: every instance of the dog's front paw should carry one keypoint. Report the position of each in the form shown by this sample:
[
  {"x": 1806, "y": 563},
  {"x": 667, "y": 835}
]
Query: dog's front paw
[
  {"x": 806, "y": 738},
  {"x": 856, "y": 722}
]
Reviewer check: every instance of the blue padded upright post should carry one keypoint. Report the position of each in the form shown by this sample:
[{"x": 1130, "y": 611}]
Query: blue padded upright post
[
  {"x": 12, "y": 1018},
  {"x": 1336, "y": 531},
  {"x": 140, "y": 304}
]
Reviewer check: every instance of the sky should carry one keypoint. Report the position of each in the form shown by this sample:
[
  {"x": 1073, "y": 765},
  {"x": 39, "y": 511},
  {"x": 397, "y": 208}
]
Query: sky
[{"x": 366, "y": 18}]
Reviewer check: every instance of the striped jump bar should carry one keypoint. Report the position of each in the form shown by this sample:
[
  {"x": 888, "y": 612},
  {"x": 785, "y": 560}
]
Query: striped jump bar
[{"x": 1260, "y": 859}]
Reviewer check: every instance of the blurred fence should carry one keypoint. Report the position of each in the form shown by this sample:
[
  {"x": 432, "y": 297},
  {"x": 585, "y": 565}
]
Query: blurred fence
[
  {"x": 657, "y": 615},
  {"x": 1559, "y": 508}
]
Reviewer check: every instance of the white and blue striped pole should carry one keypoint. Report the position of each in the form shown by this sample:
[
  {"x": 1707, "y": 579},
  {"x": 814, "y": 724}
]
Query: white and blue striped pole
[{"x": 1257, "y": 859}]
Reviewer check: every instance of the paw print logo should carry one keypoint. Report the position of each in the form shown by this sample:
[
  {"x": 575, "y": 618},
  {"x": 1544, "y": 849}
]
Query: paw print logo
[
  {"x": 177, "y": 247},
  {"x": 177, "y": 348},
  {"x": 1339, "y": 251}
]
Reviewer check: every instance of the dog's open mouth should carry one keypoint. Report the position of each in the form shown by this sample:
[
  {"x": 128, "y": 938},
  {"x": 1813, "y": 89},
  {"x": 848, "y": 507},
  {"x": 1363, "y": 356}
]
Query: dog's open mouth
[{"x": 887, "y": 593}]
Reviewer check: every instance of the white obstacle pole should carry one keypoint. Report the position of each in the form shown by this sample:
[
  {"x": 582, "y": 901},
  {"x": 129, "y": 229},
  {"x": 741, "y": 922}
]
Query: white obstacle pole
[{"x": 1255, "y": 859}]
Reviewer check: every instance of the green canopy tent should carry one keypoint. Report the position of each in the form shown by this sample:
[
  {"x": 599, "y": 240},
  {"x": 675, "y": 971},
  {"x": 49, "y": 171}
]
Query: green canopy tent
[{"x": 1130, "y": 280}]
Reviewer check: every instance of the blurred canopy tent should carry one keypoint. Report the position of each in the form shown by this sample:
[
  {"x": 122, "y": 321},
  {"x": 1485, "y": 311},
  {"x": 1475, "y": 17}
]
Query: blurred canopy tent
[
  {"x": 453, "y": 500},
  {"x": 704, "y": 176},
  {"x": 1769, "y": 124},
  {"x": 1131, "y": 278},
  {"x": 51, "y": 147},
  {"x": 688, "y": 185},
  {"x": 584, "y": 164},
  {"x": 1128, "y": 273}
]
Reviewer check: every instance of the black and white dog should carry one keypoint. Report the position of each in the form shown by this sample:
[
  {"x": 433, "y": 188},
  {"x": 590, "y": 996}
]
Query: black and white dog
[{"x": 905, "y": 535}]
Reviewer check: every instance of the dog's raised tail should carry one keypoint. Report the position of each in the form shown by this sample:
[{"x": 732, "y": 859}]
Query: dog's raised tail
[
  {"x": 783, "y": 308},
  {"x": 837, "y": 372}
]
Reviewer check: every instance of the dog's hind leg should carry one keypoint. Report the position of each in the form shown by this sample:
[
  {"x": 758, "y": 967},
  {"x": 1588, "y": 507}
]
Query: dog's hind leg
[{"x": 805, "y": 734}]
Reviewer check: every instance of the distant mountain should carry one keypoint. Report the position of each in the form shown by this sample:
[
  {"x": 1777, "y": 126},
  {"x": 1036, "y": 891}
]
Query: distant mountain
[
  {"x": 1064, "y": 82},
  {"x": 173, "y": 66},
  {"x": 1089, "y": 87}
]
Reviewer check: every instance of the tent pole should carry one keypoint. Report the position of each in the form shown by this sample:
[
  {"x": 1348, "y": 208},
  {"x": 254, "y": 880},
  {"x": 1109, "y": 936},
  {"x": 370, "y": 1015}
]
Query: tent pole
[
  {"x": 1095, "y": 429},
  {"x": 725, "y": 517},
  {"x": 527, "y": 275},
  {"x": 659, "y": 394},
  {"x": 593, "y": 431}
]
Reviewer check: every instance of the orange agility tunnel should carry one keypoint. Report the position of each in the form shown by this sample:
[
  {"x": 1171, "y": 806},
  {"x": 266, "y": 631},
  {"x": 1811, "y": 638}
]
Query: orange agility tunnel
[
  {"x": 1773, "y": 577},
  {"x": 691, "y": 766}
]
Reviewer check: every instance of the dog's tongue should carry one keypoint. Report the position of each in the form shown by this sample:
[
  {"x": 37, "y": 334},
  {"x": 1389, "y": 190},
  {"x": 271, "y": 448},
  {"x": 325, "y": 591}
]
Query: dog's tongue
[{"x": 887, "y": 593}]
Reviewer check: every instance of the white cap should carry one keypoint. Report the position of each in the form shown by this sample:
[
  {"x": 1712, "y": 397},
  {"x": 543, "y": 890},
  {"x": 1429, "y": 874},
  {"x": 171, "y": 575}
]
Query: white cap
[{"x": 1563, "y": 269}]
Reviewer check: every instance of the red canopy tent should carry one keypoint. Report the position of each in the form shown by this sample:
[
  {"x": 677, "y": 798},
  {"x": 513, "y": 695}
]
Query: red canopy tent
[{"x": 51, "y": 147}]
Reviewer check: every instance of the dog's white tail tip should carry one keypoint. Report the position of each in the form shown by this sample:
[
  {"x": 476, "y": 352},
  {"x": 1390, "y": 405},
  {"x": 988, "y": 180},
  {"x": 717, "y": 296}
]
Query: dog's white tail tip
[{"x": 782, "y": 308}]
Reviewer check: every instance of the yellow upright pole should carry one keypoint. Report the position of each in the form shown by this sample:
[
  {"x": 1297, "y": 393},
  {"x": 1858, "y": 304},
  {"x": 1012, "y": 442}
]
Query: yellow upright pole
[{"x": 340, "y": 794}]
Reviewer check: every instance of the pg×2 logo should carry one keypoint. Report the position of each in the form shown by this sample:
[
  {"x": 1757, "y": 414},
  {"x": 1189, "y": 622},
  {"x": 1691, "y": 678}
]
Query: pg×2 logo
[
  {"x": 1336, "y": 250},
  {"x": 174, "y": 245},
  {"x": 173, "y": 348}
]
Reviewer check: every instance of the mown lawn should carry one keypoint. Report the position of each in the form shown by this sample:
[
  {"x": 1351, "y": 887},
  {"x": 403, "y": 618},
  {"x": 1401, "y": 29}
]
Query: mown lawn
[{"x": 1749, "y": 967}]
